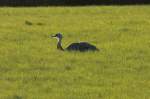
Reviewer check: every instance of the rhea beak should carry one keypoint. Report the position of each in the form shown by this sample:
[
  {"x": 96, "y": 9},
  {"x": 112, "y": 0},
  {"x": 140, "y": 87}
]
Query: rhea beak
[{"x": 53, "y": 36}]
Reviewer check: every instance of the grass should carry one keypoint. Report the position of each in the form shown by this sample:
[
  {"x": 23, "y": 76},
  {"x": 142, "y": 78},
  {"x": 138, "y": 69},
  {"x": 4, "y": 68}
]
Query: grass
[{"x": 32, "y": 68}]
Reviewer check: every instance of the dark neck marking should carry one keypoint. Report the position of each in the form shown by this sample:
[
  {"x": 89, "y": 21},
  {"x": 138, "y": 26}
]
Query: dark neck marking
[{"x": 59, "y": 47}]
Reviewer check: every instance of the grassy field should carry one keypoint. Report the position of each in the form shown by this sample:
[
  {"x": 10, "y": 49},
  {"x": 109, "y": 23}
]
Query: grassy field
[{"x": 32, "y": 68}]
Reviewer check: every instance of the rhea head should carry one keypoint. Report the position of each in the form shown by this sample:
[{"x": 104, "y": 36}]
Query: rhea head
[{"x": 58, "y": 36}]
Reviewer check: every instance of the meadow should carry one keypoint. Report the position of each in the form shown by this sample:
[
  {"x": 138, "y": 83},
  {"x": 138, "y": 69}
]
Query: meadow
[{"x": 32, "y": 68}]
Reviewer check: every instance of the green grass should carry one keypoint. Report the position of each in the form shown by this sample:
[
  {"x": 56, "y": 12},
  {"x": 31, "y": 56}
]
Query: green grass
[{"x": 32, "y": 68}]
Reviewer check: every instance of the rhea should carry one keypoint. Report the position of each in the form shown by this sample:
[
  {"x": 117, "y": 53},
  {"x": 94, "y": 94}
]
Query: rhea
[{"x": 81, "y": 46}]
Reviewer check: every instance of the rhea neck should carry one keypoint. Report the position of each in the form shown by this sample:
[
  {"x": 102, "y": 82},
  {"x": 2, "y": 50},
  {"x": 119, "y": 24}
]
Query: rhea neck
[{"x": 59, "y": 47}]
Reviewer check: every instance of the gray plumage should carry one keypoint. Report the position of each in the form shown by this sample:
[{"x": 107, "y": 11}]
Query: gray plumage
[{"x": 81, "y": 46}]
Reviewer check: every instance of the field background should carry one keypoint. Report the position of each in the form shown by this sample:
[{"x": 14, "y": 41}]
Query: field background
[{"x": 32, "y": 68}]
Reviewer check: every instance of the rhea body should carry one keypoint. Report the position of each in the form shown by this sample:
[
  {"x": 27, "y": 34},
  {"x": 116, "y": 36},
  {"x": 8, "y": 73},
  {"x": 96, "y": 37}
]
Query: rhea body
[{"x": 81, "y": 46}]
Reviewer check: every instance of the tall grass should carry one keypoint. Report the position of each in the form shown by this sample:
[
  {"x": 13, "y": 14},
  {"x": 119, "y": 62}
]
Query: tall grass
[{"x": 32, "y": 68}]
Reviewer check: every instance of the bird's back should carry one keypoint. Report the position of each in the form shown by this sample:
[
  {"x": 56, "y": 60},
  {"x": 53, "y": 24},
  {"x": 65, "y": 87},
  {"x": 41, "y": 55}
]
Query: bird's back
[
  {"x": 82, "y": 46},
  {"x": 73, "y": 46}
]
